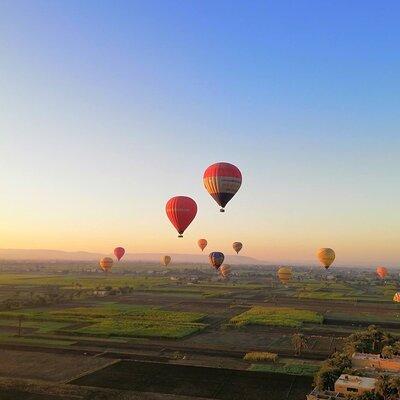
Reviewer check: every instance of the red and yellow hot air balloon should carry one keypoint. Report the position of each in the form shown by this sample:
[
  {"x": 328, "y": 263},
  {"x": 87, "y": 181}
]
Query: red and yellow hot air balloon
[
  {"x": 165, "y": 260},
  {"x": 119, "y": 252},
  {"x": 202, "y": 243},
  {"x": 216, "y": 259},
  {"x": 106, "y": 264},
  {"x": 396, "y": 297},
  {"x": 237, "y": 246},
  {"x": 181, "y": 211},
  {"x": 222, "y": 180},
  {"x": 326, "y": 256},
  {"x": 382, "y": 272},
  {"x": 225, "y": 271}
]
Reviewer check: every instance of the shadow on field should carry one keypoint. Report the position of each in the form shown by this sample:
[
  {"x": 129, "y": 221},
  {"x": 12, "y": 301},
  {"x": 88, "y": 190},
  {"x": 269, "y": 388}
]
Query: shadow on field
[{"x": 216, "y": 383}]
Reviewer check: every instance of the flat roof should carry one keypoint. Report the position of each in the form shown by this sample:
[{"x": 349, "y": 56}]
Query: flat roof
[
  {"x": 356, "y": 381},
  {"x": 366, "y": 356}
]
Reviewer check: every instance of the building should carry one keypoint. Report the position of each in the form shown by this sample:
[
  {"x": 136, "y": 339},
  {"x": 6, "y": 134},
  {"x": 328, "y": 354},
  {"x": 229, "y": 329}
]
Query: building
[
  {"x": 349, "y": 384},
  {"x": 101, "y": 293},
  {"x": 375, "y": 362}
]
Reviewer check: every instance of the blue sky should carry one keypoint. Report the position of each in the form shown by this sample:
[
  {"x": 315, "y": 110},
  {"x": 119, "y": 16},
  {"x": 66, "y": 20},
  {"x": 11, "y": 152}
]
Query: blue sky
[{"x": 107, "y": 109}]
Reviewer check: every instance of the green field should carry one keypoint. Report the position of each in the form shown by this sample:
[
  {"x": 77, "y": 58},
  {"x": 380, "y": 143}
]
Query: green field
[
  {"x": 109, "y": 319},
  {"x": 276, "y": 316},
  {"x": 289, "y": 368}
]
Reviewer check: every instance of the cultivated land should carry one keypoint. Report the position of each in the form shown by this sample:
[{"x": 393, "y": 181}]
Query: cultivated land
[{"x": 179, "y": 331}]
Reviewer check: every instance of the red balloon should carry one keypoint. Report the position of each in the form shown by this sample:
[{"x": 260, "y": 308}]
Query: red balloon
[
  {"x": 119, "y": 252},
  {"x": 181, "y": 211}
]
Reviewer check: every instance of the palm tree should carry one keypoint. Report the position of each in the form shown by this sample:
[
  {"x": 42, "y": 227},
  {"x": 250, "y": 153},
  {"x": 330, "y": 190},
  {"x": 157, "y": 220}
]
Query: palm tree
[
  {"x": 387, "y": 352},
  {"x": 299, "y": 342},
  {"x": 383, "y": 386},
  {"x": 395, "y": 385}
]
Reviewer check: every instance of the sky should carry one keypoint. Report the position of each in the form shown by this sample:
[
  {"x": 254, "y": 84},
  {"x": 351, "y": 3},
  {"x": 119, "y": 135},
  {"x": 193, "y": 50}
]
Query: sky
[{"x": 109, "y": 108}]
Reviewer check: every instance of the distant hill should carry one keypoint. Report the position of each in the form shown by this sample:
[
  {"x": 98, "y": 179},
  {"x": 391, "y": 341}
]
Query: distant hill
[{"x": 59, "y": 255}]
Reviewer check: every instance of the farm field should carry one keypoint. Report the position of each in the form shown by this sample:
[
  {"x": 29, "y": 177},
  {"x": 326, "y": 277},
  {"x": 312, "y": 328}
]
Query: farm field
[
  {"x": 276, "y": 316},
  {"x": 204, "y": 324},
  {"x": 110, "y": 319},
  {"x": 213, "y": 383}
]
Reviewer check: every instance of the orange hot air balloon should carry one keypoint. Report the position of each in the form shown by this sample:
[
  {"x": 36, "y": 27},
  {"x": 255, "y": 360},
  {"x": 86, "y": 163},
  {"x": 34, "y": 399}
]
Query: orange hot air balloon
[
  {"x": 119, "y": 252},
  {"x": 106, "y": 264},
  {"x": 382, "y": 272},
  {"x": 222, "y": 180},
  {"x": 181, "y": 211},
  {"x": 225, "y": 271},
  {"x": 396, "y": 297},
  {"x": 237, "y": 246},
  {"x": 165, "y": 260},
  {"x": 326, "y": 256},
  {"x": 202, "y": 243}
]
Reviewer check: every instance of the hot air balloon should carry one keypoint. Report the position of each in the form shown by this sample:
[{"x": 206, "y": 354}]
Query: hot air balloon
[
  {"x": 222, "y": 180},
  {"x": 119, "y": 252},
  {"x": 165, "y": 260},
  {"x": 216, "y": 259},
  {"x": 237, "y": 246},
  {"x": 285, "y": 275},
  {"x": 106, "y": 264},
  {"x": 326, "y": 257},
  {"x": 382, "y": 272},
  {"x": 396, "y": 297},
  {"x": 181, "y": 211},
  {"x": 225, "y": 271},
  {"x": 202, "y": 243}
]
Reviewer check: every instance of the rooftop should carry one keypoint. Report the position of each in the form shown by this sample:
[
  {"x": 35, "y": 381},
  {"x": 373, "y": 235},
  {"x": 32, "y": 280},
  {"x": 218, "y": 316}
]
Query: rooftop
[{"x": 356, "y": 381}]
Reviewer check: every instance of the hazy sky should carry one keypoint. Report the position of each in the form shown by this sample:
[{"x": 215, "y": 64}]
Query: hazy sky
[{"x": 109, "y": 108}]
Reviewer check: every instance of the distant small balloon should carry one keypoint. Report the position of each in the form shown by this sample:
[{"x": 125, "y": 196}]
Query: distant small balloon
[
  {"x": 119, "y": 252},
  {"x": 396, "y": 297},
  {"x": 237, "y": 246},
  {"x": 381, "y": 272},
  {"x": 216, "y": 259},
  {"x": 326, "y": 256},
  {"x": 225, "y": 271},
  {"x": 106, "y": 264},
  {"x": 285, "y": 274},
  {"x": 165, "y": 260},
  {"x": 202, "y": 243}
]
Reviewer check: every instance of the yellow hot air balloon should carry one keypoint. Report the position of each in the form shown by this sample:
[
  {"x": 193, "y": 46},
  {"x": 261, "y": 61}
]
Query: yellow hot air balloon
[
  {"x": 237, "y": 246},
  {"x": 225, "y": 271},
  {"x": 326, "y": 256},
  {"x": 202, "y": 243},
  {"x": 396, "y": 297},
  {"x": 165, "y": 260},
  {"x": 106, "y": 264},
  {"x": 285, "y": 274}
]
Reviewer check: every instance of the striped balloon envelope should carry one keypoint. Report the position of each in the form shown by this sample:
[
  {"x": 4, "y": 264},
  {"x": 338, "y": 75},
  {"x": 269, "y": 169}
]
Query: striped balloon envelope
[
  {"x": 222, "y": 180},
  {"x": 216, "y": 259},
  {"x": 106, "y": 264},
  {"x": 396, "y": 297}
]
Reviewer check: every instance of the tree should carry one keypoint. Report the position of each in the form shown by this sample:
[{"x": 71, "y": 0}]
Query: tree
[
  {"x": 395, "y": 385},
  {"x": 383, "y": 386},
  {"x": 387, "y": 352},
  {"x": 299, "y": 342}
]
